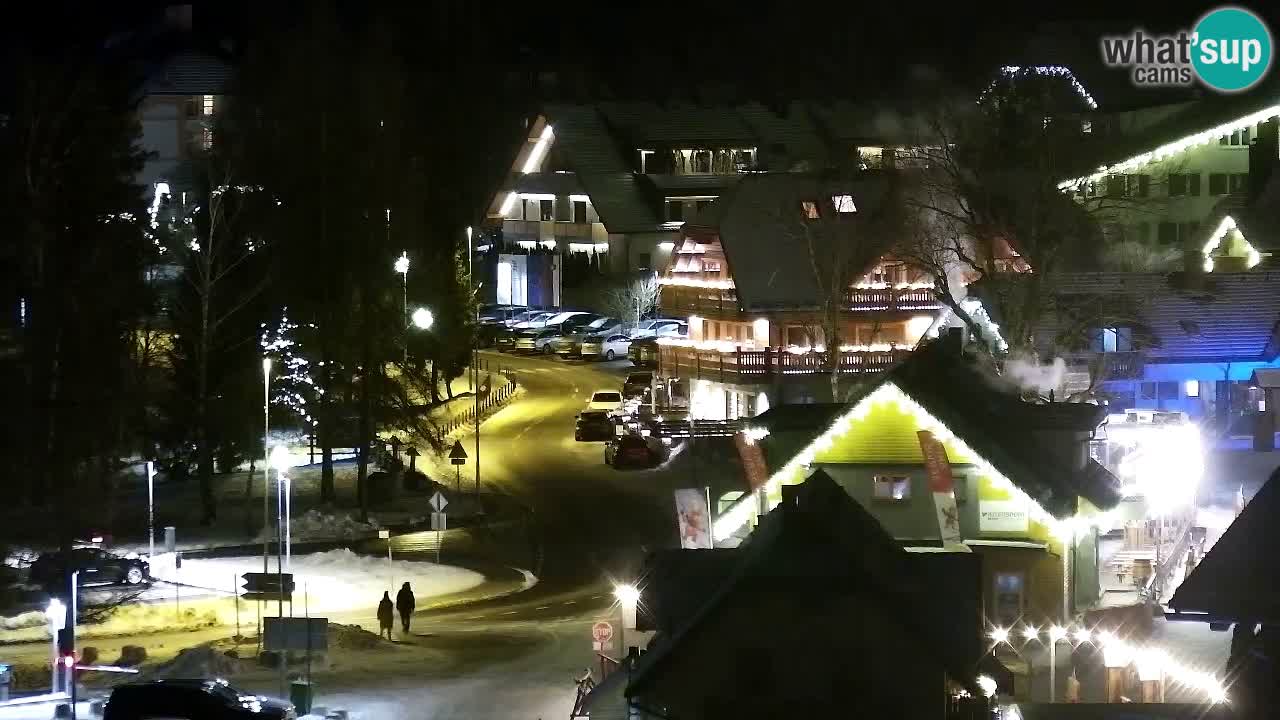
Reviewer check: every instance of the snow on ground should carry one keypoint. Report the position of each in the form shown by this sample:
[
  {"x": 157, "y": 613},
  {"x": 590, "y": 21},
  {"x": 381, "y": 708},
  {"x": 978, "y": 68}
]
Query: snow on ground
[
  {"x": 337, "y": 579},
  {"x": 317, "y": 524}
]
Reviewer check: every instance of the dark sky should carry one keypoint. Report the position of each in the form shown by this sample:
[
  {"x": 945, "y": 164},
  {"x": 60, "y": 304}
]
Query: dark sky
[{"x": 786, "y": 48}]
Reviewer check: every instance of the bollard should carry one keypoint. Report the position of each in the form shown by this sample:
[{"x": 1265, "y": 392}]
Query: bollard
[{"x": 170, "y": 538}]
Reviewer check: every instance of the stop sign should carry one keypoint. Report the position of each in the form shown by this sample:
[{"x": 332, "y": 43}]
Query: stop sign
[{"x": 602, "y": 632}]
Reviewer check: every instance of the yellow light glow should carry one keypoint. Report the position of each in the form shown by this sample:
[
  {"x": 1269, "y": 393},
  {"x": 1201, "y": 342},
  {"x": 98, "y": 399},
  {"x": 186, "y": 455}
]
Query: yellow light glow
[
  {"x": 539, "y": 147},
  {"x": 999, "y": 635},
  {"x": 507, "y": 204},
  {"x": 1030, "y": 633},
  {"x": 698, "y": 283}
]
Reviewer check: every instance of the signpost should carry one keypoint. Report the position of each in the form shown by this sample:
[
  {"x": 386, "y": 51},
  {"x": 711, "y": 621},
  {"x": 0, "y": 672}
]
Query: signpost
[
  {"x": 391, "y": 571},
  {"x": 438, "y": 519},
  {"x": 601, "y": 635},
  {"x": 457, "y": 458}
]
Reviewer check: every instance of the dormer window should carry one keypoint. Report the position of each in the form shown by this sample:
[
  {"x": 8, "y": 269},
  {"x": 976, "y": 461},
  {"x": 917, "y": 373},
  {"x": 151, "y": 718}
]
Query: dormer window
[
  {"x": 810, "y": 209},
  {"x": 843, "y": 204}
]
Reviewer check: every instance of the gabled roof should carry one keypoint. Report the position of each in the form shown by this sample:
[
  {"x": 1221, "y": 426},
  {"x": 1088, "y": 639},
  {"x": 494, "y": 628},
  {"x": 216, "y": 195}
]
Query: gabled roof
[
  {"x": 1223, "y": 317},
  {"x": 1239, "y": 578},
  {"x": 986, "y": 413},
  {"x": 760, "y": 225},
  {"x": 189, "y": 73},
  {"x": 820, "y": 542}
]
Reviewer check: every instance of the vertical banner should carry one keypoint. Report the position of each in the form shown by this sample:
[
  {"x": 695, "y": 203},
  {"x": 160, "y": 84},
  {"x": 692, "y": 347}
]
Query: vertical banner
[
  {"x": 942, "y": 487},
  {"x": 694, "y": 519},
  {"x": 753, "y": 464}
]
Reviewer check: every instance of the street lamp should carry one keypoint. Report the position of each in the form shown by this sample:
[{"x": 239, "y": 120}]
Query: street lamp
[
  {"x": 423, "y": 319},
  {"x": 402, "y": 267},
  {"x": 628, "y": 597},
  {"x": 266, "y": 457},
  {"x": 281, "y": 460},
  {"x": 56, "y": 614}
]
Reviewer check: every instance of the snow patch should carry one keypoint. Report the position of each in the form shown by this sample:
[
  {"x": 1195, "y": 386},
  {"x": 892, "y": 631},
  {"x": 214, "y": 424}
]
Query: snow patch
[
  {"x": 34, "y": 618},
  {"x": 337, "y": 579},
  {"x": 317, "y": 524}
]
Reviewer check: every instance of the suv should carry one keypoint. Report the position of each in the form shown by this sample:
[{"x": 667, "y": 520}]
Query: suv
[
  {"x": 593, "y": 425},
  {"x": 629, "y": 450},
  {"x": 660, "y": 328},
  {"x": 194, "y": 699},
  {"x": 571, "y": 342},
  {"x": 96, "y": 567}
]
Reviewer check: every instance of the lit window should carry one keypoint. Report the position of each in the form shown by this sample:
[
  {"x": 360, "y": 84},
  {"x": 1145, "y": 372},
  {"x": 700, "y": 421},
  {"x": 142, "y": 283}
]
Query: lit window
[
  {"x": 1192, "y": 388},
  {"x": 206, "y": 107},
  {"x": 1109, "y": 339},
  {"x": 844, "y": 204},
  {"x": 893, "y": 488},
  {"x": 810, "y": 209},
  {"x": 1086, "y": 126}
]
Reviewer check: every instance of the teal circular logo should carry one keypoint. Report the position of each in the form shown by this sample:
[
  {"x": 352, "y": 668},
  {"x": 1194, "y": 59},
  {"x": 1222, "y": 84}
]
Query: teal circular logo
[{"x": 1231, "y": 49}]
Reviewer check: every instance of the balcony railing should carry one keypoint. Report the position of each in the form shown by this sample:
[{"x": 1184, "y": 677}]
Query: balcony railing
[
  {"x": 539, "y": 230},
  {"x": 1126, "y": 365},
  {"x": 754, "y": 366},
  {"x": 723, "y": 303}
]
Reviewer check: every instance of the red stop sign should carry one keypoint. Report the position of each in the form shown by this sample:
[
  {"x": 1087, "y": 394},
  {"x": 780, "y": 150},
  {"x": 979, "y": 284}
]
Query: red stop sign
[{"x": 602, "y": 632}]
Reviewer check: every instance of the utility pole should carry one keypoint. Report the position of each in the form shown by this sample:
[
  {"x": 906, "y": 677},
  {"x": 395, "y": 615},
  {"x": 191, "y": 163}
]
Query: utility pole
[{"x": 475, "y": 351}]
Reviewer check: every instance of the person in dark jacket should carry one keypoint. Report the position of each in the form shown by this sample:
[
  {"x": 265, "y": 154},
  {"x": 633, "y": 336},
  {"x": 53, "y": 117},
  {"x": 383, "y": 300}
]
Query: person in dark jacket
[
  {"x": 404, "y": 603},
  {"x": 386, "y": 615}
]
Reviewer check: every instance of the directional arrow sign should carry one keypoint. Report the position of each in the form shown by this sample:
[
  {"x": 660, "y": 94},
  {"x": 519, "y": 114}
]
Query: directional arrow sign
[{"x": 439, "y": 502}]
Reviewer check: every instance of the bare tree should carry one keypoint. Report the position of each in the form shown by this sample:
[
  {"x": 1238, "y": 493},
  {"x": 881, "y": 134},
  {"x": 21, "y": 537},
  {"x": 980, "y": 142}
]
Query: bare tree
[{"x": 632, "y": 299}]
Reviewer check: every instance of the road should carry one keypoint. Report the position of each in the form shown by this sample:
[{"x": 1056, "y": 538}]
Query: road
[{"x": 518, "y": 656}]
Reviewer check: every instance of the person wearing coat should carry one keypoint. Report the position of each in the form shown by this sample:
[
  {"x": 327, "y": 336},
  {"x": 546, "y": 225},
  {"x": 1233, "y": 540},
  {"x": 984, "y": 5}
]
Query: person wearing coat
[
  {"x": 386, "y": 615},
  {"x": 405, "y": 604}
]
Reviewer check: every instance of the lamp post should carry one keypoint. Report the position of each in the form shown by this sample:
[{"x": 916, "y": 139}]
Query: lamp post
[
  {"x": 402, "y": 267},
  {"x": 628, "y": 597},
  {"x": 475, "y": 355},
  {"x": 56, "y": 614},
  {"x": 281, "y": 461},
  {"x": 266, "y": 457},
  {"x": 151, "y": 509},
  {"x": 1056, "y": 634}
]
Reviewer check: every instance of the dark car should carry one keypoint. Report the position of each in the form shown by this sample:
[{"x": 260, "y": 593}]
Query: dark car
[
  {"x": 487, "y": 335},
  {"x": 643, "y": 352},
  {"x": 96, "y": 566},
  {"x": 193, "y": 700},
  {"x": 629, "y": 451},
  {"x": 593, "y": 425},
  {"x": 504, "y": 340},
  {"x": 637, "y": 385}
]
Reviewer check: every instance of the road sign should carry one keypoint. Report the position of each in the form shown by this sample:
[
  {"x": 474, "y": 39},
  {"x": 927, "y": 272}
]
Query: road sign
[
  {"x": 439, "y": 502},
  {"x": 290, "y": 633},
  {"x": 439, "y": 521},
  {"x": 601, "y": 633},
  {"x": 457, "y": 456},
  {"x": 384, "y": 534}
]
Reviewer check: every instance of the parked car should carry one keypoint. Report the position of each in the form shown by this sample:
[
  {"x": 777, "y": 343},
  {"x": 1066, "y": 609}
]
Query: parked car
[
  {"x": 535, "y": 341},
  {"x": 505, "y": 340},
  {"x": 629, "y": 451},
  {"x": 96, "y": 566},
  {"x": 644, "y": 352},
  {"x": 487, "y": 335},
  {"x": 195, "y": 699},
  {"x": 536, "y": 320},
  {"x": 521, "y": 314},
  {"x": 637, "y": 384},
  {"x": 606, "y": 400},
  {"x": 660, "y": 328},
  {"x": 570, "y": 344},
  {"x": 497, "y": 314},
  {"x": 593, "y": 425},
  {"x": 606, "y": 347}
]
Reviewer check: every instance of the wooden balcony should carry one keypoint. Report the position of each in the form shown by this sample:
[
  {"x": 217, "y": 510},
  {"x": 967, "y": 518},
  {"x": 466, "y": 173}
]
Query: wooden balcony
[
  {"x": 722, "y": 304},
  {"x": 1127, "y": 365},
  {"x": 759, "y": 366}
]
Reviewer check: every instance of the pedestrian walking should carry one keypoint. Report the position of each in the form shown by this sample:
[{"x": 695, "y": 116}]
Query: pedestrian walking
[
  {"x": 405, "y": 604},
  {"x": 386, "y": 615}
]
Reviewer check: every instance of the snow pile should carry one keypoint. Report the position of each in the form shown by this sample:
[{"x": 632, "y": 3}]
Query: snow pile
[
  {"x": 316, "y": 524},
  {"x": 352, "y": 637},
  {"x": 201, "y": 661},
  {"x": 337, "y": 579},
  {"x": 34, "y": 618}
]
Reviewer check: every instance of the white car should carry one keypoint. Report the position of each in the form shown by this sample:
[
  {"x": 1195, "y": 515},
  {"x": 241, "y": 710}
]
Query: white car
[
  {"x": 609, "y": 401},
  {"x": 659, "y": 328},
  {"x": 552, "y": 319},
  {"x": 607, "y": 347},
  {"x": 533, "y": 321}
]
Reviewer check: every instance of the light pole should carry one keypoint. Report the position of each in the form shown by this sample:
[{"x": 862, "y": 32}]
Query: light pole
[
  {"x": 56, "y": 614},
  {"x": 151, "y": 509},
  {"x": 475, "y": 354},
  {"x": 1056, "y": 634},
  {"x": 628, "y": 597},
  {"x": 402, "y": 267},
  {"x": 266, "y": 458},
  {"x": 281, "y": 461}
]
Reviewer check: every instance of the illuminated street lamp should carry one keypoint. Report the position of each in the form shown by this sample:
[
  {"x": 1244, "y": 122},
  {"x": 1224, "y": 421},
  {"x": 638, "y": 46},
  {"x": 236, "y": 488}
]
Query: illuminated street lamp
[
  {"x": 628, "y": 597},
  {"x": 56, "y": 614},
  {"x": 281, "y": 460},
  {"x": 999, "y": 635},
  {"x": 402, "y": 267},
  {"x": 423, "y": 319}
]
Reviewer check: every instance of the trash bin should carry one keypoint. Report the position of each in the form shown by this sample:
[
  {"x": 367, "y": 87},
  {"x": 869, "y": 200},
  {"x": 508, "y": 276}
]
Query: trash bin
[{"x": 300, "y": 694}]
